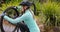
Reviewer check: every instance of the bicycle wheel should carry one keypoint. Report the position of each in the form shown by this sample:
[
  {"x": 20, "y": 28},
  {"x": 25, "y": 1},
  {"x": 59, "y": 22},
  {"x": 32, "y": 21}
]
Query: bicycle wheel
[
  {"x": 19, "y": 27},
  {"x": 10, "y": 12}
]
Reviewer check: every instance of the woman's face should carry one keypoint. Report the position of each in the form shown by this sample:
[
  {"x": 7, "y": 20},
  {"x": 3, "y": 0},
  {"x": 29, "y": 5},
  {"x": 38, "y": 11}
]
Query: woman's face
[{"x": 24, "y": 8}]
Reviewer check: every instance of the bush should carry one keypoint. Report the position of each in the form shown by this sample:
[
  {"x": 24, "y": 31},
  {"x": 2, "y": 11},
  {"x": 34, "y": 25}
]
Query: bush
[
  {"x": 11, "y": 3},
  {"x": 51, "y": 11}
]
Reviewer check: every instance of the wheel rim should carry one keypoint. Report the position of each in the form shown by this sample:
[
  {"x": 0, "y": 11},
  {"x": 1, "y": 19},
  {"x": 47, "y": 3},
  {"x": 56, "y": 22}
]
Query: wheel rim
[{"x": 17, "y": 13}]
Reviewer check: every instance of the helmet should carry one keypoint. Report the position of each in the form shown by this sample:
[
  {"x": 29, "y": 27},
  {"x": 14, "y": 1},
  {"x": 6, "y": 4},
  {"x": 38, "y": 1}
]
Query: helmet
[{"x": 27, "y": 3}]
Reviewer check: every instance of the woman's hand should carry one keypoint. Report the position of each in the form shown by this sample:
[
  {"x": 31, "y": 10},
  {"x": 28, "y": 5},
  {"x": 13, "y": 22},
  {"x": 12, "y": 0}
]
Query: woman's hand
[{"x": 3, "y": 14}]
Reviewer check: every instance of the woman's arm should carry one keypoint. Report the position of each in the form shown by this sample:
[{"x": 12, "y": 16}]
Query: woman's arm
[{"x": 19, "y": 19}]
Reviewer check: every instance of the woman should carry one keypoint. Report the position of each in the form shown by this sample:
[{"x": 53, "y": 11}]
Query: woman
[{"x": 27, "y": 17}]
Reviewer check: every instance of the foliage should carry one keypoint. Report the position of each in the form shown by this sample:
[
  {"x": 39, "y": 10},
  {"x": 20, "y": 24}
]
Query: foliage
[
  {"x": 11, "y": 3},
  {"x": 51, "y": 10}
]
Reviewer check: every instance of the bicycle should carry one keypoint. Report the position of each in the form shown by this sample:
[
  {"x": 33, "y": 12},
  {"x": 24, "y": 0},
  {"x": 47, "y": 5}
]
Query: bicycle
[{"x": 20, "y": 26}]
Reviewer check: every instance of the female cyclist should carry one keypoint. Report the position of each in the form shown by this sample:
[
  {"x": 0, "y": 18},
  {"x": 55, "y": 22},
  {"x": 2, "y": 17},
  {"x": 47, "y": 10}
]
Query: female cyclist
[{"x": 27, "y": 17}]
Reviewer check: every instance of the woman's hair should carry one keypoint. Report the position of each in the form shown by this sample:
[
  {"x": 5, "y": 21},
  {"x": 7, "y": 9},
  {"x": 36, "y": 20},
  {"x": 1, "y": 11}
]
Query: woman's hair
[{"x": 28, "y": 7}]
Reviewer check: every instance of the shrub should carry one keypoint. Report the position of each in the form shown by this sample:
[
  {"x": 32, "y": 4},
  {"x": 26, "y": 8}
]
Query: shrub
[{"x": 51, "y": 11}]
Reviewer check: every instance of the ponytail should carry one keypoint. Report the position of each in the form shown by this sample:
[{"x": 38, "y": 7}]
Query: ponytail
[{"x": 34, "y": 8}]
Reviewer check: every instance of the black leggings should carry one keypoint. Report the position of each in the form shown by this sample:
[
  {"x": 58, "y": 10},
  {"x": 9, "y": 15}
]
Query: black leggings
[{"x": 22, "y": 27}]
